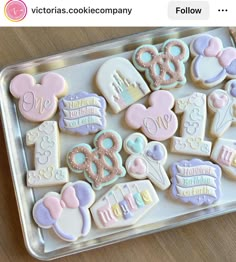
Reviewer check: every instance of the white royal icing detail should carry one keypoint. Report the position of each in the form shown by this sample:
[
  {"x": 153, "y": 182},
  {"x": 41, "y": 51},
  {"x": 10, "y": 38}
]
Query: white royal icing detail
[
  {"x": 222, "y": 103},
  {"x": 46, "y": 157},
  {"x": 197, "y": 190},
  {"x": 224, "y": 154},
  {"x": 124, "y": 204},
  {"x": 120, "y": 83},
  {"x": 148, "y": 162},
  {"x": 192, "y": 127}
]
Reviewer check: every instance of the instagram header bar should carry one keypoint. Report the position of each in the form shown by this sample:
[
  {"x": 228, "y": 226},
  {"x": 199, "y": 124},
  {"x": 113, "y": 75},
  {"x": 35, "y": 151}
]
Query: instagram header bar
[{"x": 119, "y": 13}]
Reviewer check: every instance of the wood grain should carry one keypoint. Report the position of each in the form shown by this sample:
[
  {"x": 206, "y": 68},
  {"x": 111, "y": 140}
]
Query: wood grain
[{"x": 210, "y": 240}]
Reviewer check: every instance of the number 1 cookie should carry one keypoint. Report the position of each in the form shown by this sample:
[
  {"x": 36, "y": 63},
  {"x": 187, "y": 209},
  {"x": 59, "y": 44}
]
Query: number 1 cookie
[
  {"x": 46, "y": 157},
  {"x": 193, "y": 124}
]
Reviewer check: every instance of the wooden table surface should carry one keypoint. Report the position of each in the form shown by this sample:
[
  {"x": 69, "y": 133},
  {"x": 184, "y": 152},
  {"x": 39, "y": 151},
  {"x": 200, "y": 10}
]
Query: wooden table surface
[{"x": 210, "y": 240}]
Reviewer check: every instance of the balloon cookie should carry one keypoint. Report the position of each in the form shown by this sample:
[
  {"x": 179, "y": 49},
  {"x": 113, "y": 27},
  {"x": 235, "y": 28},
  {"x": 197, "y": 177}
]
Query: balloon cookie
[
  {"x": 196, "y": 181},
  {"x": 146, "y": 160},
  {"x": 82, "y": 113},
  {"x": 157, "y": 122},
  {"x": 224, "y": 154},
  {"x": 66, "y": 213},
  {"x": 46, "y": 156},
  {"x": 222, "y": 103},
  {"x": 124, "y": 204},
  {"x": 120, "y": 83},
  {"x": 163, "y": 69},
  {"x": 38, "y": 102},
  {"x": 102, "y": 165},
  {"x": 212, "y": 63}
]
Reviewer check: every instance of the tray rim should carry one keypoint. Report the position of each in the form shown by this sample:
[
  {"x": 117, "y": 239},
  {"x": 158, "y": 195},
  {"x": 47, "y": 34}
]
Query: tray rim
[{"x": 228, "y": 208}]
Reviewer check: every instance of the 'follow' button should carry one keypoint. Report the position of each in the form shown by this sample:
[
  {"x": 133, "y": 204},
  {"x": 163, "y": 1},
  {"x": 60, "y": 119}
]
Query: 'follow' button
[{"x": 188, "y": 10}]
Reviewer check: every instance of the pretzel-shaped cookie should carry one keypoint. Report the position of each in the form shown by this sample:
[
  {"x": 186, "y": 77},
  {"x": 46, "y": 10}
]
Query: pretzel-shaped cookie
[
  {"x": 165, "y": 69},
  {"x": 101, "y": 165}
]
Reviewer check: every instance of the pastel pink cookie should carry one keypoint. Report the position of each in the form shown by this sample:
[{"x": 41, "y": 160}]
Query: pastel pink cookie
[
  {"x": 38, "y": 102},
  {"x": 157, "y": 122}
]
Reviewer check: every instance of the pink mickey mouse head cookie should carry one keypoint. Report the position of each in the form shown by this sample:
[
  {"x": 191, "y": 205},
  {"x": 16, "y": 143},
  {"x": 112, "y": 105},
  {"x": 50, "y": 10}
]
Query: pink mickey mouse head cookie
[
  {"x": 38, "y": 102},
  {"x": 157, "y": 122}
]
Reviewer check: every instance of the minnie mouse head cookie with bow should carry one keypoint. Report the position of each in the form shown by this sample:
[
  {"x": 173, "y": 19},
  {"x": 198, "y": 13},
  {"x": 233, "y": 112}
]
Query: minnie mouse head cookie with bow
[
  {"x": 38, "y": 102},
  {"x": 66, "y": 213},
  {"x": 212, "y": 63}
]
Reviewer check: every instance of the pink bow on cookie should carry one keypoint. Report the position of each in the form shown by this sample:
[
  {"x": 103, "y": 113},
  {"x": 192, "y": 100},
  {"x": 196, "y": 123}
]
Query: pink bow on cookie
[
  {"x": 210, "y": 46},
  {"x": 56, "y": 206}
]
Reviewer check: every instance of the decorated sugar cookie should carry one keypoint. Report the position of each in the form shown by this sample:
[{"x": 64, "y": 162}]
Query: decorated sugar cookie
[
  {"x": 212, "y": 63},
  {"x": 157, "y": 122},
  {"x": 163, "y": 69},
  {"x": 101, "y": 165},
  {"x": 146, "y": 160},
  {"x": 38, "y": 102},
  {"x": 82, "y": 113},
  {"x": 66, "y": 213},
  {"x": 120, "y": 83},
  {"x": 47, "y": 171},
  {"x": 196, "y": 181},
  {"x": 124, "y": 204},
  {"x": 193, "y": 124},
  {"x": 224, "y": 154},
  {"x": 222, "y": 103}
]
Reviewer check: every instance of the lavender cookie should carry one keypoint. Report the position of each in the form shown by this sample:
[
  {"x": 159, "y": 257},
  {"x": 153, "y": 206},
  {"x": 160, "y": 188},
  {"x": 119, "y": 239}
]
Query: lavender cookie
[
  {"x": 82, "y": 113},
  {"x": 196, "y": 181}
]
